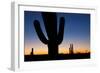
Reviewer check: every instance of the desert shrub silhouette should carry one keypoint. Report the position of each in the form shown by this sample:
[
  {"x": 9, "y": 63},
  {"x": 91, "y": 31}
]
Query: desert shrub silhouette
[{"x": 54, "y": 37}]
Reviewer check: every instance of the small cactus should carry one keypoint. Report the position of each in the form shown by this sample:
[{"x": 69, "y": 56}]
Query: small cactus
[
  {"x": 71, "y": 49},
  {"x": 31, "y": 52}
]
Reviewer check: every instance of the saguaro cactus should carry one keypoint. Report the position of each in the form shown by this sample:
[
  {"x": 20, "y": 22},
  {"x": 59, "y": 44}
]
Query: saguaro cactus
[
  {"x": 54, "y": 37},
  {"x": 31, "y": 52},
  {"x": 71, "y": 49}
]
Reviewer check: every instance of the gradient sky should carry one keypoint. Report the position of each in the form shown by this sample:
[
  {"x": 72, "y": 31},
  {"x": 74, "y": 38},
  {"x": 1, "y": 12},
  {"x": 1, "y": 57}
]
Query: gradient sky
[{"x": 77, "y": 31}]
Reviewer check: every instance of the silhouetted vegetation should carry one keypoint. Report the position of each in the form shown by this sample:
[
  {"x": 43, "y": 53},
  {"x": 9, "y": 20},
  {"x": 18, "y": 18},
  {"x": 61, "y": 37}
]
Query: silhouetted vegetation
[
  {"x": 54, "y": 37},
  {"x": 71, "y": 55},
  {"x": 71, "y": 49},
  {"x": 31, "y": 52}
]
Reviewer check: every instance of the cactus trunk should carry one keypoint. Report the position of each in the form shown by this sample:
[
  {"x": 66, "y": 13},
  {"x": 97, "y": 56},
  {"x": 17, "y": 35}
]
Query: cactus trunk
[
  {"x": 53, "y": 49},
  {"x": 54, "y": 37}
]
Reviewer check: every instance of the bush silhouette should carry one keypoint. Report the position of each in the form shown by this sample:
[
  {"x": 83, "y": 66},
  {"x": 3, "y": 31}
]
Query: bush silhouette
[{"x": 54, "y": 37}]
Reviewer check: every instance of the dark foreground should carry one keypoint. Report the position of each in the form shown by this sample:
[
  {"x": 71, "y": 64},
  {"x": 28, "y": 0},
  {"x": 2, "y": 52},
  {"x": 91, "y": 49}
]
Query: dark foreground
[{"x": 59, "y": 57}]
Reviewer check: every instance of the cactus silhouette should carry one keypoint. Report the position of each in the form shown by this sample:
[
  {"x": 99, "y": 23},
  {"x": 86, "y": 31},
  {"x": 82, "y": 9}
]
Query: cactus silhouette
[
  {"x": 71, "y": 49},
  {"x": 54, "y": 37},
  {"x": 31, "y": 52}
]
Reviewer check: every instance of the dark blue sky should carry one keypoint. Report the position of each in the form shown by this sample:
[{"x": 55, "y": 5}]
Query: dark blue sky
[{"x": 77, "y": 29}]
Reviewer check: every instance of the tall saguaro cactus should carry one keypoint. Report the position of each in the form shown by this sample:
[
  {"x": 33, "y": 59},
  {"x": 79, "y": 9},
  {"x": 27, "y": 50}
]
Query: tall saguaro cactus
[
  {"x": 71, "y": 49},
  {"x": 54, "y": 37}
]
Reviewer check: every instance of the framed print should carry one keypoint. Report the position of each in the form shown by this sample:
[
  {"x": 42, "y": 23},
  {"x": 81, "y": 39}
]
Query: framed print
[{"x": 49, "y": 36}]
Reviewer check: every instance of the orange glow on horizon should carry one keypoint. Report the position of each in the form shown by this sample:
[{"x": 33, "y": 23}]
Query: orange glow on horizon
[
  {"x": 61, "y": 51},
  {"x": 81, "y": 50},
  {"x": 36, "y": 52}
]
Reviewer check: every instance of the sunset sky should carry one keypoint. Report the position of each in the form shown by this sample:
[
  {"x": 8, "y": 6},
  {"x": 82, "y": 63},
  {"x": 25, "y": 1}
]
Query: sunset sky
[{"x": 77, "y": 31}]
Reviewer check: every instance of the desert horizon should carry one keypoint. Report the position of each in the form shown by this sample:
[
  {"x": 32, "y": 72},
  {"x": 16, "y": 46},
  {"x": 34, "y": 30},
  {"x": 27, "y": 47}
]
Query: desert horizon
[{"x": 60, "y": 51}]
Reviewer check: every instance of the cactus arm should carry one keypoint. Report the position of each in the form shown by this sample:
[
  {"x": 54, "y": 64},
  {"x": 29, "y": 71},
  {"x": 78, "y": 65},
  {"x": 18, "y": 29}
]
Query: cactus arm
[
  {"x": 39, "y": 32},
  {"x": 61, "y": 30}
]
